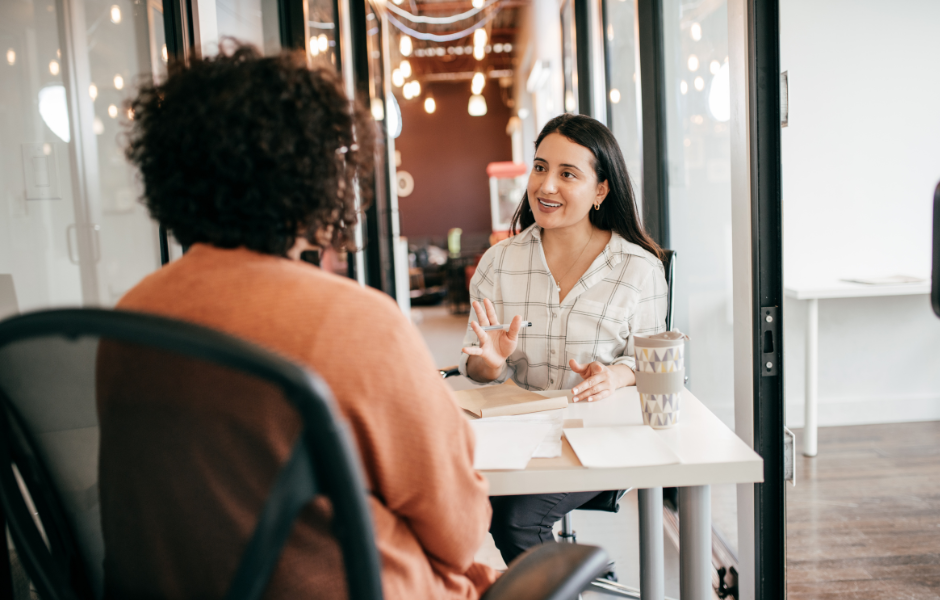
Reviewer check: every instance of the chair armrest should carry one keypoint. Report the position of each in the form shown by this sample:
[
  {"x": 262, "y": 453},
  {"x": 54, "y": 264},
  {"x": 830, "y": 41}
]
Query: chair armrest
[
  {"x": 449, "y": 372},
  {"x": 549, "y": 572}
]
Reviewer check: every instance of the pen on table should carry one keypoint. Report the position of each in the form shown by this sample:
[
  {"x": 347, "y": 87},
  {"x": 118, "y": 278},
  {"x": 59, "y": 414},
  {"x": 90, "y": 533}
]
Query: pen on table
[{"x": 505, "y": 327}]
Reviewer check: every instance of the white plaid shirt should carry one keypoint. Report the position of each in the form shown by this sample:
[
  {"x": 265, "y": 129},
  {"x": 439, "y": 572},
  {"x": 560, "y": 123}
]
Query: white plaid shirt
[{"x": 622, "y": 293}]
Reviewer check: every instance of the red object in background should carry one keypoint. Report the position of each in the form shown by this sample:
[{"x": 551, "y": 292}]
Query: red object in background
[{"x": 505, "y": 170}]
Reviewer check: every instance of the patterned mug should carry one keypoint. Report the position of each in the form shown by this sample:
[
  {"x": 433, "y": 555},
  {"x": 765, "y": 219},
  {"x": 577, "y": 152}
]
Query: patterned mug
[{"x": 660, "y": 376}]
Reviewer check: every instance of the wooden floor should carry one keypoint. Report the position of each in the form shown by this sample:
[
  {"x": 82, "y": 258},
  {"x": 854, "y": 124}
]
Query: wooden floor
[{"x": 864, "y": 518}]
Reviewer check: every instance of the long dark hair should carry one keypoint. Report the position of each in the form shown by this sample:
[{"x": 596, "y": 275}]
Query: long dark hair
[{"x": 618, "y": 211}]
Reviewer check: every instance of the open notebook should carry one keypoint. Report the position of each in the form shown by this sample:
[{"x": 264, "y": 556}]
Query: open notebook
[{"x": 504, "y": 400}]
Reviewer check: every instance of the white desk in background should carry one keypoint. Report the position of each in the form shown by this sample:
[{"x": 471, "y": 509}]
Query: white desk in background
[
  {"x": 813, "y": 293},
  {"x": 709, "y": 453}
]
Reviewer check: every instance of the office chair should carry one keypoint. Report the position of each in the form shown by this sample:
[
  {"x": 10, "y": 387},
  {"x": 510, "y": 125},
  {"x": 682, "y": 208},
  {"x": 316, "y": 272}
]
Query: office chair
[{"x": 53, "y": 368}]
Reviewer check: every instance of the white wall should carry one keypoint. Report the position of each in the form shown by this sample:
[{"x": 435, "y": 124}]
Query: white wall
[{"x": 861, "y": 157}]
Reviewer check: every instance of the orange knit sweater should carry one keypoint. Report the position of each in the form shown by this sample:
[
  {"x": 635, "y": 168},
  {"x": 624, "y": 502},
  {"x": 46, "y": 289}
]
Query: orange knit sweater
[{"x": 429, "y": 506}]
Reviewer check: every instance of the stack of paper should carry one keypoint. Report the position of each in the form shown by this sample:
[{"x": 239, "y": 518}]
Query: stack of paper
[
  {"x": 617, "y": 447},
  {"x": 506, "y": 445}
]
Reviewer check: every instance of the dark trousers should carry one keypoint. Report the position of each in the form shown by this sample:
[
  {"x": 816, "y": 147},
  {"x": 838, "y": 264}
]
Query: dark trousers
[{"x": 520, "y": 522}]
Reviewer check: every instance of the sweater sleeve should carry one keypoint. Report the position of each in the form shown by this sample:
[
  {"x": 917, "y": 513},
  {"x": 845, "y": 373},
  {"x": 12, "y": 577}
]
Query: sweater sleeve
[{"x": 416, "y": 445}]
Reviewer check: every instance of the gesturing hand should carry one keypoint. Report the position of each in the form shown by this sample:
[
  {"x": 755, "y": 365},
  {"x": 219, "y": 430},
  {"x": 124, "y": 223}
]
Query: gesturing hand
[
  {"x": 495, "y": 346},
  {"x": 599, "y": 381}
]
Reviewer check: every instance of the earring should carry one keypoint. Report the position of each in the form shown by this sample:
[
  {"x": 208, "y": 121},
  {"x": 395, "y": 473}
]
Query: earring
[{"x": 597, "y": 206}]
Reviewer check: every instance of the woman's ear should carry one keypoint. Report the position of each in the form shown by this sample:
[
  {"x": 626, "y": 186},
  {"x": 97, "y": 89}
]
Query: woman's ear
[{"x": 603, "y": 188}]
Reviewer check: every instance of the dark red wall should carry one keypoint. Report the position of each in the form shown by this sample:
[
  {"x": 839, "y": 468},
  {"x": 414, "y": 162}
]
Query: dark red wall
[{"x": 447, "y": 153}]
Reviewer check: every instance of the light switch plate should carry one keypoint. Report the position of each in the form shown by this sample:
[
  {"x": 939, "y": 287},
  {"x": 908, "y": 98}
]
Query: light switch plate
[{"x": 40, "y": 172}]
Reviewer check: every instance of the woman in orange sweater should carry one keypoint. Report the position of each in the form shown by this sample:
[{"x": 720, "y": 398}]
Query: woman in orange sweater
[{"x": 244, "y": 159}]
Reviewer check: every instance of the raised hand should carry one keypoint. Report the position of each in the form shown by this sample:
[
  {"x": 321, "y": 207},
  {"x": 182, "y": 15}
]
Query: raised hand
[{"x": 495, "y": 346}]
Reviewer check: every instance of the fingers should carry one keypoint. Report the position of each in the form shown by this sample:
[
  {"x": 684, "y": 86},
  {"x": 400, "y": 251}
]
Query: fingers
[
  {"x": 472, "y": 350},
  {"x": 490, "y": 312},
  {"x": 575, "y": 366},
  {"x": 481, "y": 335},
  {"x": 514, "y": 328},
  {"x": 481, "y": 314}
]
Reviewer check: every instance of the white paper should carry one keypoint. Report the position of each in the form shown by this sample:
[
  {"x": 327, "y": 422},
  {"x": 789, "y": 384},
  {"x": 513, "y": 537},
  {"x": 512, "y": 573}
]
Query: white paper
[
  {"x": 551, "y": 443},
  {"x": 616, "y": 447},
  {"x": 506, "y": 445}
]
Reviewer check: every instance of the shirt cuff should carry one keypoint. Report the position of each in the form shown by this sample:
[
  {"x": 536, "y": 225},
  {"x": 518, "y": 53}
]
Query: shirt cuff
[
  {"x": 462, "y": 367},
  {"x": 625, "y": 360}
]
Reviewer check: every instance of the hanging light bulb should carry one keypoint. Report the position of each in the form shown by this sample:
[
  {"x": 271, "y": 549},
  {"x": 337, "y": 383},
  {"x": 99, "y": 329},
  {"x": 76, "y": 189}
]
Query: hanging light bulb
[
  {"x": 11, "y": 57},
  {"x": 115, "y": 14},
  {"x": 416, "y": 89},
  {"x": 323, "y": 42},
  {"x": 93, "y": 91},
  {"x": 476, "y": 86},
  {"x": 314, "y": 47},
  {"x": 118, "y": 82},
  {"x": 430, "y": 105},
  {"x": 398, "y": 79},
  {"x": 479, "y": 52},
  {"x": 479, "y": 37},
  {"x": 477, "y": 106},
  {"x": 53, "y": 68},
  {"x": 405, "y": 68},
  {"x": 378, "y": 110},
  {"x": 477, "y": 3},
  {"x": 405, "y": 45},
  {"x": 112, "y": 111}
]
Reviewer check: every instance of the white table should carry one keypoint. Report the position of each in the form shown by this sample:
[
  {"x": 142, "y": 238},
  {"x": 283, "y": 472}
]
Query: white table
[
  {"x": 709, "y": 453},
  {"x": 813, "y": 293}
]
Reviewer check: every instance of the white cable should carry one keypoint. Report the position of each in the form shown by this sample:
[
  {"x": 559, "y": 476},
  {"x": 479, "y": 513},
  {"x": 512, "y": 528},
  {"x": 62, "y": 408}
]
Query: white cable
[
  {"x": 438, "y": 20},
  {"x": 450, "y": 37}
]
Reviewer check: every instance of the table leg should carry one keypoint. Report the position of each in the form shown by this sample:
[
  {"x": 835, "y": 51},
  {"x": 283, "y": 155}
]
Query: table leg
[
  {"x": 695, "y": 543},
  {"x": 652, "y": 569},
  {"x": 812, "y": 378}
]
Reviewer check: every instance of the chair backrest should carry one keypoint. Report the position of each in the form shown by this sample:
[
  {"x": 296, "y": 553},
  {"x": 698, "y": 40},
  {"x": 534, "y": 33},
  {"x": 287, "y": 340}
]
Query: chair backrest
[
  {"x": 77, "y": 386},
  {"x": 669, "y": 264}
]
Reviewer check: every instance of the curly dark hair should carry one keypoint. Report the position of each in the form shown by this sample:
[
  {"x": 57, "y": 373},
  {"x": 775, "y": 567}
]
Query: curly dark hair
[{"x": 243, "y": 150}]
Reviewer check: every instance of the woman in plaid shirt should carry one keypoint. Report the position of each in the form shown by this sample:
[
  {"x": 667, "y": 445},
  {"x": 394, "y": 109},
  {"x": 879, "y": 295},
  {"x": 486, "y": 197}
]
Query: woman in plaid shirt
[{"x": 584, "y": 271}]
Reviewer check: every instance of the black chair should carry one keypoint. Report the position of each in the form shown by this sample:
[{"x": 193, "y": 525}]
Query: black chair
[{"x": 50, "y": 365}]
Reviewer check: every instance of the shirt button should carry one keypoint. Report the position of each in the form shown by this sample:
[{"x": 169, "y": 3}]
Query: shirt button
[
  {"x": 555, "y": 315},
  {"x": 553, "y": 352},
  {"x": 551, "y": 381}
]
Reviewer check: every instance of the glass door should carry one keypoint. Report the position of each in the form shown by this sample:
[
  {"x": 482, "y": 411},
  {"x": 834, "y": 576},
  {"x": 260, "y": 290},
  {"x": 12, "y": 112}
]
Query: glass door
[{"x": 74, "y": 231}]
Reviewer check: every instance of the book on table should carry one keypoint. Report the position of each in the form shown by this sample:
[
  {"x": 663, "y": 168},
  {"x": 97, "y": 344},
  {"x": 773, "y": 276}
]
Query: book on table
[{"x": 505, "y": 400}]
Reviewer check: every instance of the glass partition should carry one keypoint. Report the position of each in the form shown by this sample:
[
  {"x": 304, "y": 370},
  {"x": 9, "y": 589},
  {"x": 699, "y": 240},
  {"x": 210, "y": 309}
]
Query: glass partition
[{"x": 71, "y": 229}]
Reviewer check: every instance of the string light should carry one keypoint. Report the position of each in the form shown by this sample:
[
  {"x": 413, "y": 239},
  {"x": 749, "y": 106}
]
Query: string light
[
  {"x": 314, "y": 47},
  {"x": 683, "y": 87},
  {"x": 695, "y": 31},
  {"x": 693, "y": 62},
  {"x": 429, "y": 105},
  {"x": 115, "y": 14},
  {"x": 477, "y": 106},
  {"x": 699, "y": 84},
  {"x": 11, "y": 57},
  {"x": 476, "y": 85},
  {"x": 323, "y": 42},
  {"x": 404, "y": 46},
  {"x": 112, "y": 111},
  {"x": 93, "y": 91},
  {"x": 118, "y": 82},
  {"x": 398, "y": 79},
  {"x": 53, "y": 67},
  {"x": 405, "y": 68}
]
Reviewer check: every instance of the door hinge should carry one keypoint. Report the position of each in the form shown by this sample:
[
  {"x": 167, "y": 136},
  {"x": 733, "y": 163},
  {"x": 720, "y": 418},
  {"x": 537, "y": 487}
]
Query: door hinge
[{"x": 769, "y": 341}]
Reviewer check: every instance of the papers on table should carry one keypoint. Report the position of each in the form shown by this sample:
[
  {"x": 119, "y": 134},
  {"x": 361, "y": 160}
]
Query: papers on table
[
  {"x": 506, "y": 445},
  {"x": 551, "y": 443},
  {"x": 617, "y": 447}
]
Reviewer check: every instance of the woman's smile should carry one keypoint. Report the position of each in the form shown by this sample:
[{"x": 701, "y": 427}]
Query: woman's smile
[{"x": 547, "y": 206}]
